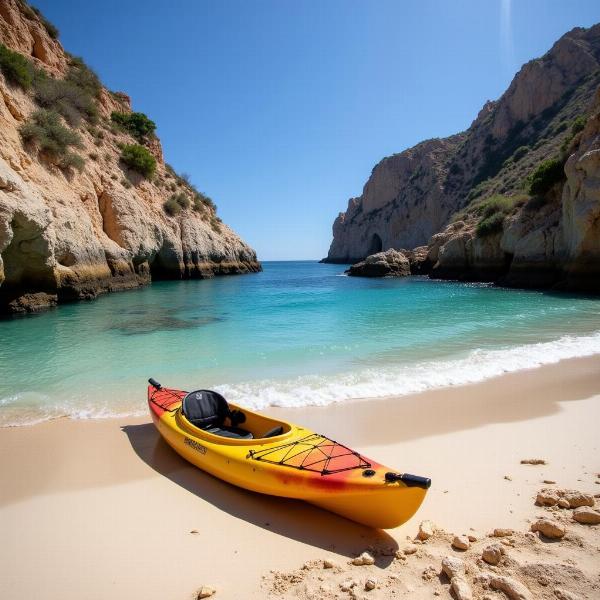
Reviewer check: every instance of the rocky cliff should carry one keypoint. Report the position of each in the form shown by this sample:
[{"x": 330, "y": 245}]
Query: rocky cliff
[
  {"x": 79, "y": 215},
  {"x": 512, "y": 199}
]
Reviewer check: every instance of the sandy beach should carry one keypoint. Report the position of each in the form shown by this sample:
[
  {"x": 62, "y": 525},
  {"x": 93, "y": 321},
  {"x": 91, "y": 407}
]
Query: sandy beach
[{"x": 103, "y": 508}]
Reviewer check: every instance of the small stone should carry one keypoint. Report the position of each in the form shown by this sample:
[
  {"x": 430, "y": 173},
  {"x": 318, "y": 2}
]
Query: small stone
[
  {"x": 514, "y": 589},
  {"x": 364, "y": 559},
  {"x": 492, "y": 554},
  {"x": 547, "y": 497},
  {"x": 370, "y": 584},
  {"x": 410, "y": 550},
  {"x": 472, "y": 538},
  {"x": 576, "y": 499},
  {"x": 205, "y": 592},
  {"x": 461, "y": 542},
  {"x": 563, "y": 503},
  {"x": 462, "y": 590},
  {"x": 453, "y": 566},
  {"x": 500, "y": 532},
  {"x": 586, "y": 515},
  {"x": 548, "y": 481},
  {"x": 426, "y": 530},
  {"x": 328, "y": 564},
  {"x": 194, "y": 531},
  {"x": 347, "y": 585},
  {"x": 533, "y": 461},
  {"x": 550, "y": 528},
  {"x": 508, "y": 478}
]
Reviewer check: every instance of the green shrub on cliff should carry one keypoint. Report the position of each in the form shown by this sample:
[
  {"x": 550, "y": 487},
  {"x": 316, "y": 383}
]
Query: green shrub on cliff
[
  {"x": 546, "y": 174},
  {"x": 137, "y": 124},
  {"x": 493, "y": 210},
  {"x": 46, "y": 131},
  {"x": 139, "y": 159},
  {"x": 72, "y": 97},
  {"x": 492, "y": 224},
  {"x": 578, "y": 124},
  {"x": 16, "y": 68},
  {"x": 172, "y": 207}
]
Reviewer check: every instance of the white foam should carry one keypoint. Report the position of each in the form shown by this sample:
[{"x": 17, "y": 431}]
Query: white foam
[
  {"x": 408, "y": 379},
  {"x": 320, "y": 390}
]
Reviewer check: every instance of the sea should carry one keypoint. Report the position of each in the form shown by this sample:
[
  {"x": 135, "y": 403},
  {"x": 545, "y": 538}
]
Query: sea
[{"x": 298, "y": 334}]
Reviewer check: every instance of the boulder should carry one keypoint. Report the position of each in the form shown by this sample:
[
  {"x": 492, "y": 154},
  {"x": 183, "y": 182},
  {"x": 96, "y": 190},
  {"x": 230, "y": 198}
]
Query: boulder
[{"x": 390, "y": 263}]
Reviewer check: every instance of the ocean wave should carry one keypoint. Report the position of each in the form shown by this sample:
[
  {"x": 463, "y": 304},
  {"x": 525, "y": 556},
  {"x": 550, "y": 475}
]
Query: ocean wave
[
  {"x": 319, "y": 390},
  {"x": 478, "y": 365}
]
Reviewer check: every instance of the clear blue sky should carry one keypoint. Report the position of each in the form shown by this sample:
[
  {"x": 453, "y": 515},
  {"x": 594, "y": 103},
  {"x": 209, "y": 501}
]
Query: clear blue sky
[{"x": 279, "y": 109}]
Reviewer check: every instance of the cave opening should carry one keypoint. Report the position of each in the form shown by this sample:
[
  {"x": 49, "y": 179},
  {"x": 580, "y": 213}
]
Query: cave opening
[{"x": 376, "y": 244}]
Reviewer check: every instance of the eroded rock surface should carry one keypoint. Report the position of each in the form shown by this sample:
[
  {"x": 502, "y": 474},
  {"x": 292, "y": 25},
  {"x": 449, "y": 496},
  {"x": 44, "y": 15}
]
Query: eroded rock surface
[{"x": 71, "y": 235}]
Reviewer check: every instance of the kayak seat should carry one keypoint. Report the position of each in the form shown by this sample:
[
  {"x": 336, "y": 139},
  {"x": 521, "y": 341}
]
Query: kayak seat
[
  {"x": 231, "y": 432},
  {"x": 208, "y": 410}
]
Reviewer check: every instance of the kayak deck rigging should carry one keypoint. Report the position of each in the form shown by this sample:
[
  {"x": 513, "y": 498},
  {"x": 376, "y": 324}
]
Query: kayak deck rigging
[{"x": 314, "y": 452}]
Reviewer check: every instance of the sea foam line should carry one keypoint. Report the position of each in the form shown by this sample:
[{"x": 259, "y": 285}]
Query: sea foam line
[
  {"x": 479, "y": 365},
  {"x": 320, "y": 390}
]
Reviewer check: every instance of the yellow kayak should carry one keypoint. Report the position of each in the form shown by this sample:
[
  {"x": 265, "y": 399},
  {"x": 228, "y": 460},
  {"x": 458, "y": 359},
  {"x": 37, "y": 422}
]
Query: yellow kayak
[{"x": 273, "y": 457}]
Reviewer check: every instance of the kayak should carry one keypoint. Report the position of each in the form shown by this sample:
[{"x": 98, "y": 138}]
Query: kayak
[{"x": 274, "y": 457}]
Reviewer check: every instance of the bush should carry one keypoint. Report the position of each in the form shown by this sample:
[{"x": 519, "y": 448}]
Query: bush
[
  {"x": 137, "y": 124},
  {"x": 93, "y": 155},
  {"x": 66, "y": 98},
  {"x": 545, "y": 176},
  {"x": 82, "y": 77},
  {"x": 578, "y": 124},
  {"x": 139, "y": 159},
  {"x": 494, "y": 204},
  {"x": 72, "y": 160},
  {"x": 172, "y": 207},
  {"x": 16, "y": 68},
  {"x": 519, "y": 153},
  {"x": 492, "y": 224},
  {"x": 46, "y": 130}
]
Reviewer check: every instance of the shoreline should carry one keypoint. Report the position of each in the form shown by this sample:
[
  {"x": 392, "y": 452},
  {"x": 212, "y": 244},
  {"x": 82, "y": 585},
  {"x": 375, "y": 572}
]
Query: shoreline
[{"x": 105, "y": 501}]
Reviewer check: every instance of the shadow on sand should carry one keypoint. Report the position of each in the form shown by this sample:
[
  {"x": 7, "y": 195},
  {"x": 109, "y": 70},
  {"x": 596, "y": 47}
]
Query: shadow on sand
[{"x": 293, "y": 519}]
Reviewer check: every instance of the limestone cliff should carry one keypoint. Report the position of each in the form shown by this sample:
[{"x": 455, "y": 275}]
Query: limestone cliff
[
  {"x": 438, "y": 193},
  {"x": 67, "y": 233}
]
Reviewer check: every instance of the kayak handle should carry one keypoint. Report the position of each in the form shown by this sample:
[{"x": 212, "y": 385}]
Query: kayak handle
[
  {"x": 409, "y": 480},
  {"x": 155, "y": 383}
]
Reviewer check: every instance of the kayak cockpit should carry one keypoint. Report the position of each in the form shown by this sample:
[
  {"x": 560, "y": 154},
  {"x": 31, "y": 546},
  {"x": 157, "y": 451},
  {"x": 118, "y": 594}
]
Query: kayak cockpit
[{"x": 207, "y": 413}]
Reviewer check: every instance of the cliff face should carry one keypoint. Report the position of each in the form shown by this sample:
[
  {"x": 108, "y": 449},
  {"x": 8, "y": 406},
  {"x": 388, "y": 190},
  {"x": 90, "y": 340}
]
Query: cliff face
[
  {"x": 67, "y": 234},
  {"x": 433, "y": 194}
]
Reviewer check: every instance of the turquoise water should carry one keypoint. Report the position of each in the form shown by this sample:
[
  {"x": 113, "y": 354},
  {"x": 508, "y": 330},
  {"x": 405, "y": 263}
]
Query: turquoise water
[{"x": 298, "y": 333}]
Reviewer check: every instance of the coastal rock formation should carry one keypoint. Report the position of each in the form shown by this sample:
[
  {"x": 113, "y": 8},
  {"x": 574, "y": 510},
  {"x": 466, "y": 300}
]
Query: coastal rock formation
[
  {"x": 470, "y": 198},
  {"x": 67, "y": 234},
  {"x": 390, "y": 263}
]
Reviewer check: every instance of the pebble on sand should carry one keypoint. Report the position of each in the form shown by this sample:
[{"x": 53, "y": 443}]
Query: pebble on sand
[
  {"x": 492, "y": 554},
  {"x": 533, "y": 461},
  {"x": 462, "y": 590},
  {"x": 205, "y": 592},
  {"x": 514, "y": 589},
  {"x": 364, "y": 559},
  {"x": 461, "y": 542},
  {"x": 586, "y": 515},
  {"x": 426, "y": 530},
  {"x": 500, "y": 532},
  {"x": 453, "y": 566},
  {"x": 370, "y": 584},
  {"x": 328, "y": 564},
  {"x": 549, "y": 528}
]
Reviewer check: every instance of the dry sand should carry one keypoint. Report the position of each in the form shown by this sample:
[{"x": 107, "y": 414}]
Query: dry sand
[{"x": 104, "y": 509}]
